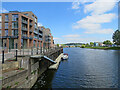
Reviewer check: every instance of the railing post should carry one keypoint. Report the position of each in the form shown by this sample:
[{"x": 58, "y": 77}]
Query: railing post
[
  {"x": 2, "y": 56},
  {"x": 37, "y": 51},
  {"x": 16, "y": 55},
  {"x": 31, "y": 51}
]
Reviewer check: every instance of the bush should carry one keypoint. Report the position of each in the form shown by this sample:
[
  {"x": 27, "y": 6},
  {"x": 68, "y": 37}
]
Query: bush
[{"x": 83, "y": 46}]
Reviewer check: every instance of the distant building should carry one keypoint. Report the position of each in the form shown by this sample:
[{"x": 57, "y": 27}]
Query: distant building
[{"x": 96, "y": 44}]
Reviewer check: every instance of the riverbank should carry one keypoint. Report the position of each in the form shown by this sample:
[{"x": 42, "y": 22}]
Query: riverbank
[{"x": 105, "y": 48}]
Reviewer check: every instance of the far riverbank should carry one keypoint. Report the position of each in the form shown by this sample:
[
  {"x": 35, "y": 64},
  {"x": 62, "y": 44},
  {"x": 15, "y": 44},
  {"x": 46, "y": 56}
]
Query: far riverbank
[{"x": 105, "y": 48}]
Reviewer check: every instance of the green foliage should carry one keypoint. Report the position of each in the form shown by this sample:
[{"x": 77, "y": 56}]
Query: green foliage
[
  {"x": 87, "y": 45},
  {"x": 16, "y": 83},
  {"x": 8, "y": 86},
  {"x": 20, "y": 68},
  {"x": 27, "y": 78},
  {"x": 116, "y": 37},
  {"x": 33, "y": 72},
  {"x": 83, "y": 46},
  {"x": 91, "y": 44},
  {"x": 107, "y": 42},
  {"x": 57, "y": 45}
]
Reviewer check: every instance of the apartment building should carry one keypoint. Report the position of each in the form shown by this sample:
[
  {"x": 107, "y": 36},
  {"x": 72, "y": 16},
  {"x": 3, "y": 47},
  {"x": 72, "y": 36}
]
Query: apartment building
[
  {"x": 20, "y": 30},
  {"x": 47, "y": 38}
]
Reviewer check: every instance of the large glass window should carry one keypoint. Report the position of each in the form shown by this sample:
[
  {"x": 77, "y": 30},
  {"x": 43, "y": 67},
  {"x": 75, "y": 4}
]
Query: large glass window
[
  {"x": 15, "y": 17},
  {"x": 0, "y": 18},
  {"x": 6, "y": 25},
  {"x": 6, "y": 18},
  {"x": 0, "y": 25},
  {"x": 6, "y": 32},
  {"x": 14, "y": 32},
  {"x": 14, "y": 25}
]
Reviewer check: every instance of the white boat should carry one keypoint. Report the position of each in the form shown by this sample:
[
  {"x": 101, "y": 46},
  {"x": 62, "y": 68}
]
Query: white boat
[{"x": 65, "y": 56}]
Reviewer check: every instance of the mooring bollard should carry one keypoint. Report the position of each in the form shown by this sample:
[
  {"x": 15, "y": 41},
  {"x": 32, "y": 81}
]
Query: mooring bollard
[
  {"x": 16, "y": 55},
  {"x": 2, "y": 56}
]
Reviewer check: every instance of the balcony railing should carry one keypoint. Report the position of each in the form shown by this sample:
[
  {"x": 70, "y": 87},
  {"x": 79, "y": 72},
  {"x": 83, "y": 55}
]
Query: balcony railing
[
  {"x": 31, "y": 24},
  {"x": 25, "y": 29},
  {"x": 35, "y": 32},
  {"x": 40, "y": 39},
  {"x": 40, "y": 34},
  {"x": 25, "y": 35},
  {"x": 30, "y": 30},
  {"x": 24, "y": 21},
  {"x": 35, "y": 37}
]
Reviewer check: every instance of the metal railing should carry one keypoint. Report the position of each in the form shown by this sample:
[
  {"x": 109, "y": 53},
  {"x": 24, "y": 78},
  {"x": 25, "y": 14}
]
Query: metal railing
[{"x": 14, "y": 53}]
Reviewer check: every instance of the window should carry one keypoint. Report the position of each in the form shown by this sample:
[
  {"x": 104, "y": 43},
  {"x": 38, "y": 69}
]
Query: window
[
  {"x": 0, "y": 25},
  {"x": 6, "y": 18},
  {"x": 41, "y": 28},
  {"x": 33, "y": 16},
  {"x": 6, "y": 32},
  {"x": 26, "y": 14},
  {"x": 0, "y": 18},
  {"x": 0, "y": 32},
  {"x": 15, "y": 17},
  {"x": 14, "y": 25},
  {"x": 6, "y": 25},
  {"x": 14, "y": 32},
  {"x": 35, "y": 19}
]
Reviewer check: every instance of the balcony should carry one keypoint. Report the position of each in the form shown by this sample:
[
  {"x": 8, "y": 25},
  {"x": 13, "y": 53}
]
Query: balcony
[
  {"x": 30, "y": 37},
  {"x": 24, "y": 35},
  {"x": 35, "y": 32},
  {"x": 31, "y": 24},
  {"x": 24, "y": 29},
  {"x": 35, "y": 37},
  {"x": 30, "y": 30},
  {"x": 40, "y": 39},
  {"x": 24, "y": 21},
  {"x": 40, "y": 34}
]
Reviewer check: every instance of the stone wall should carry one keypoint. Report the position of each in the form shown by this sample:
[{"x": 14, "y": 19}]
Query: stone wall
[{"x": 29, "y": 70}]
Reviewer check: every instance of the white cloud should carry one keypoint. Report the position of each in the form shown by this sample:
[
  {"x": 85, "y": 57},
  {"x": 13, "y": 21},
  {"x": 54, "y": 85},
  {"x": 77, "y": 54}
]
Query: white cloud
[
  {"x": 56, "y": 38},
  {"x": 71, "y": 36},
  {"x": 100, "y": 6},
  {"x": 3, "y": 10},
  {"x": 92, "y": 23},
  {"x": 40, "y": 24},
  {"x": 75, "y": 5}
]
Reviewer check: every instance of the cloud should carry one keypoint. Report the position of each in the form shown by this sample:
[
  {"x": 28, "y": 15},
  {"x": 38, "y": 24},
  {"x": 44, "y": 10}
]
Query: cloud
[
  {"x": 71, "y": 36},
  {"x": 3, "y": 10},
  {"x": 100, "y": 6},
  {"x": 81, "y": 39},
  {"x": 40, "y": 24},
  {"x": 56, "y": 38},
  {"x": 75, "y": 5},
  {"x": 92, "y": 23}
]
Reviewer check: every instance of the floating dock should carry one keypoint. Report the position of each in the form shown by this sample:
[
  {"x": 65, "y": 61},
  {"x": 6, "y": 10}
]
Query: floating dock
[{"x": 58, "y": 59}]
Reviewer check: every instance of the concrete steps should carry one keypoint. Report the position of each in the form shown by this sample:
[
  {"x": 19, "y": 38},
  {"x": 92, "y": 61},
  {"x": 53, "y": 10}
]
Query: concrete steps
[{"x": 55, "y": 66}]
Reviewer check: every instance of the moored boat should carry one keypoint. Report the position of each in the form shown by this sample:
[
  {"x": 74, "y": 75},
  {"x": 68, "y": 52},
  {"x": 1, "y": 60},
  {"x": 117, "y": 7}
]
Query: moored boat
[{"x": 65, "y": 56}]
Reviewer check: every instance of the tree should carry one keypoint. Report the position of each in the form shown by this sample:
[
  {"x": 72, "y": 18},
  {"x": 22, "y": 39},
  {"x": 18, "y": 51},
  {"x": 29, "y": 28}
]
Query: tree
[
  {"x": 116, "y": 37},
  {"x": 107, "y": 42},
  {"x": 91, "y": 44},
  {"x": 57, "y": 45},
  {"x": 87, "y": 45}
]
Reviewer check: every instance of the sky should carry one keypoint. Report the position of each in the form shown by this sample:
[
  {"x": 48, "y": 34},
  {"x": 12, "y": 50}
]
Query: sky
[{"x": 73, "y": 22}]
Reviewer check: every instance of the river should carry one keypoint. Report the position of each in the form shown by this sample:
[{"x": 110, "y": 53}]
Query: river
[{"x": 85, "y": 68}]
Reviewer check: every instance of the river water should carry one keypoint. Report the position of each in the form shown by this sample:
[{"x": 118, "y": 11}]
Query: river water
[{"x": 85, "y": 68}]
